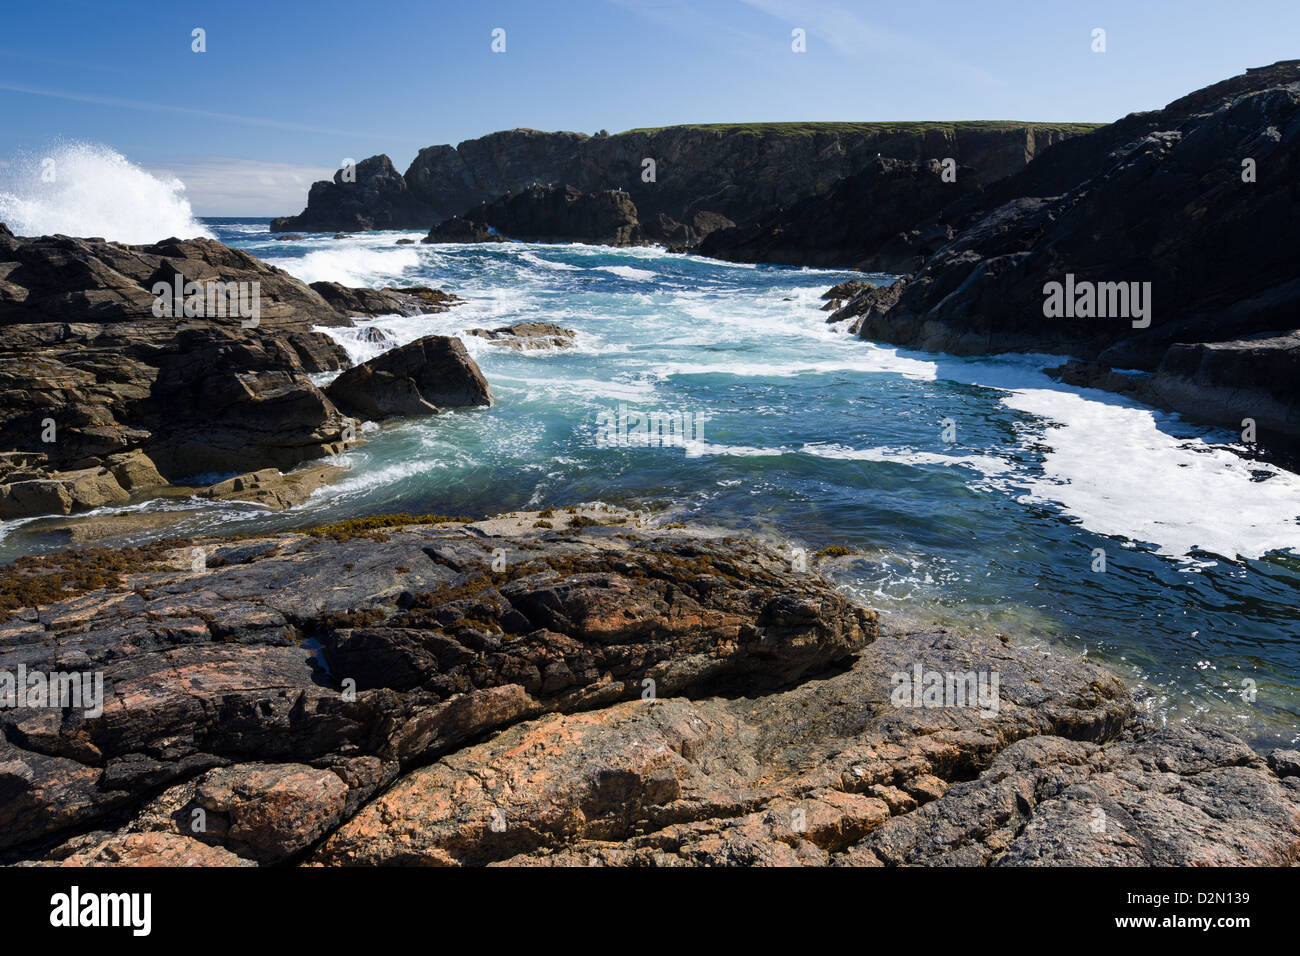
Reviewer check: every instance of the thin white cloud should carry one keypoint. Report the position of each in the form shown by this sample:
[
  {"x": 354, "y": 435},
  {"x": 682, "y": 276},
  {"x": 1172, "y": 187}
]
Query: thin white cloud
[
  {"x": 846, "y": 32},
  {"x": 228, "y": 186},
  {"x": 165, "y": 108}
]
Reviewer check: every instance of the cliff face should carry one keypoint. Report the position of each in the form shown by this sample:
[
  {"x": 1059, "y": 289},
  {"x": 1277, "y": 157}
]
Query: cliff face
[
  {"x": 1194, "y": 207},
  {"x": 737, "y": 171}
]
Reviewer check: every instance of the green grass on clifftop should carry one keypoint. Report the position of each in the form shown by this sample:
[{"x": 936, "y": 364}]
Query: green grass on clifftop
[{"x": 903, "y": 127}]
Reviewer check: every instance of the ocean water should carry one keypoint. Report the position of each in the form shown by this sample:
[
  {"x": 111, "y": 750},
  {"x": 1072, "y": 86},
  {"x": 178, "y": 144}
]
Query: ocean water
[{"x": 814, "y": 439}]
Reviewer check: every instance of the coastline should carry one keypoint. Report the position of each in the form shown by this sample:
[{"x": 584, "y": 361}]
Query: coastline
[{"x": 839, "y": 624}]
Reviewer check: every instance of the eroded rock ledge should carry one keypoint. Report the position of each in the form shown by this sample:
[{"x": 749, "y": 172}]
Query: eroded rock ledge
[{"x": 608, "y": 694}]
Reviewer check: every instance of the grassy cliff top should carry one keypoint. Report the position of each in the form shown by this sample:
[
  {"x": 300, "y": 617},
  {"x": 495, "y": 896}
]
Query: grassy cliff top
[{"x": 905, "y": 126}]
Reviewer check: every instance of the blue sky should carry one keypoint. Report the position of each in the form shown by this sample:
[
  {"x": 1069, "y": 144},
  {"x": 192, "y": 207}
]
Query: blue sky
[{"x": 287, "y": 89}]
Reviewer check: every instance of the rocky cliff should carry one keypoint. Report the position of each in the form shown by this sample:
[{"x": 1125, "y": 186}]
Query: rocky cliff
[
  {"x": 1173, "y": 236},
  {"x": 737, "y": 171}
]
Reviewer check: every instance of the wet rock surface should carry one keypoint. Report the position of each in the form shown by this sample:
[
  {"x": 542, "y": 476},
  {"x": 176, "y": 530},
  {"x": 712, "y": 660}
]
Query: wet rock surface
[
  {"x": 523, "y": 336},
  {"x": 596, "y": 693}
]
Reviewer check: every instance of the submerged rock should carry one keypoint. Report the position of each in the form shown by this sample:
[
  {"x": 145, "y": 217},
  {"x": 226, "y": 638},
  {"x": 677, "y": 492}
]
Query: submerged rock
[{"x": 527, "y": 335}]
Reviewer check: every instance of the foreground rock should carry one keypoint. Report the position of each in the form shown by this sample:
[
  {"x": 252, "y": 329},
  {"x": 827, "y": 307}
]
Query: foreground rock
[
  {"x": 831, "y": 772},
  {"x": 102, "y": 401},
  {"x": 523, "y": 336},
  {"x": 611, "y": 695},
  {"x": 208, "y": 670},
  {"x": 416, "y": 379}
]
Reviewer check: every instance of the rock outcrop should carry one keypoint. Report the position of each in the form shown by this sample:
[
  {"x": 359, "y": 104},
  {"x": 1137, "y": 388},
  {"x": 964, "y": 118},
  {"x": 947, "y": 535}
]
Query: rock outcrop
[
  {"x": 411, "y": 300},
  {"x": 101, "y": 399},
  {"x": 525, "y": 336},
  {"x": 607, "y": 694},
  {"x": 372, "y": 195},
  {"x": 416, "y": 379},
  {"x": 739, "y": 172},
  {"x": 548, "y": 214}
]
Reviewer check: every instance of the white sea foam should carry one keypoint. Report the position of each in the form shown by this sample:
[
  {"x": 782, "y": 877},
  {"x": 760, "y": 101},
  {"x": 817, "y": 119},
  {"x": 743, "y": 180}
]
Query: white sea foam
[
  {"x": 351, "y": 263},
  {"x": 1113, "y": 468},
  {"x": 695, "y": 448},
  {"x": 627, "y": 272},
  {"x": 985, "y": 464},
  {"x": 534, "y": 259},
  {"x": 85, "y": 189}
]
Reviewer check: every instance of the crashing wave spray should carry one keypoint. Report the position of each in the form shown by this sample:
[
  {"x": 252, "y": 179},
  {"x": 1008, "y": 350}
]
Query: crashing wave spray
[{"x": 85, "y": 189}]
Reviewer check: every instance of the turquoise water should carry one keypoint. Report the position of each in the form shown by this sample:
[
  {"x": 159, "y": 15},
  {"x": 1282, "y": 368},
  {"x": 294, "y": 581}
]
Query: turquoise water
[{"x": 814, "y": 439}]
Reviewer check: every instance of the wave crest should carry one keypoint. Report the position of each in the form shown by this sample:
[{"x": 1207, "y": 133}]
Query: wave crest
[{"x": 87, "y": 189}]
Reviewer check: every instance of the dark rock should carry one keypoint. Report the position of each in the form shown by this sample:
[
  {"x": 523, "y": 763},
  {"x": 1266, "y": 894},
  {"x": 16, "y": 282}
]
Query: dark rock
[
  {"x": 870, "y": 302},
  {"x": 378, "y": 199},
  {"x": 866, "y": 222},
  {"x": 458, "y": 229},
  {"x": 416, "y": 379},
  {"x": 735, "y": 172},
  {"x": 64, "y": 279},
  {"x": 130, "y": 401},
  {"x": 1285, "y": 763},
  {"x": 412, "y": 300},
  {"x": 548, "y": 214},
  {"x": 1156, "y": 198}
]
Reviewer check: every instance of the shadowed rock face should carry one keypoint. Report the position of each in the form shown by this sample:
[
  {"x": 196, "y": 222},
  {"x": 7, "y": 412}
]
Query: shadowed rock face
[
  {"x": 100, "y": 399},
  {"x": 869, "y": 221},
  {"x": 547, "y": 214},
  {"x": 736, "y": 172},
  {"x": 655, "y": 697},
  {"x": 377, "y": 198},
  {"x": 1159, "y": 198}
]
